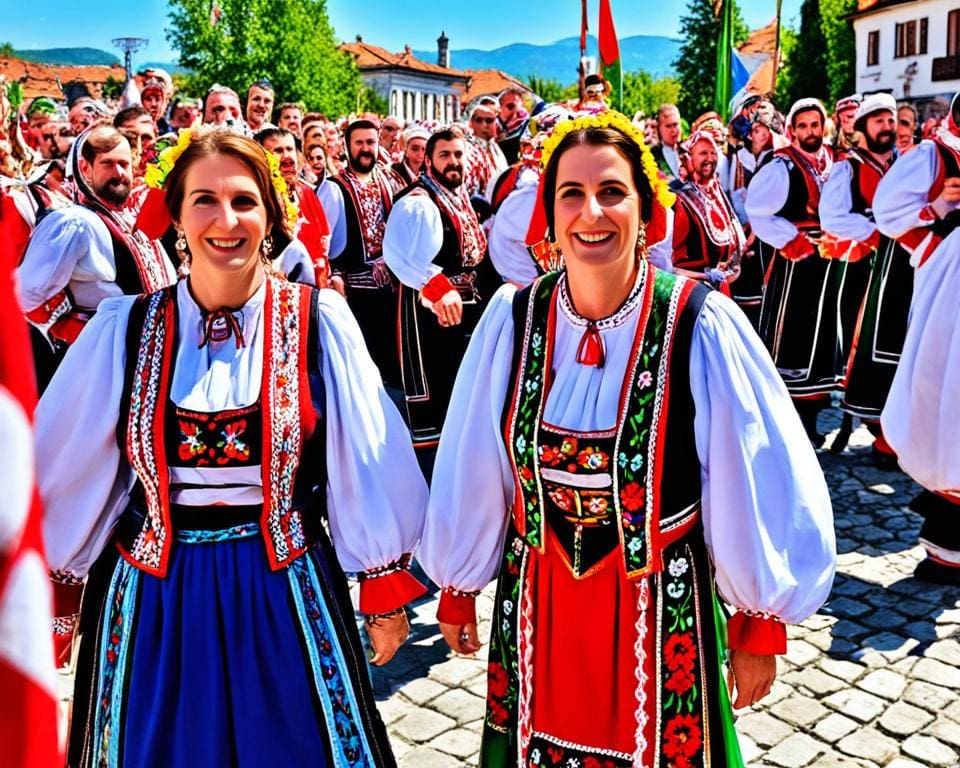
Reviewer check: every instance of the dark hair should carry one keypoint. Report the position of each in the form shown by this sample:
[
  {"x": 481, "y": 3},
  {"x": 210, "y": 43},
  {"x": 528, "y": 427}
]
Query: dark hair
[
  {"x": 291, "y": 105},
  {"x": 130, "y": 113},
  {"x": 452, "y": 133},
  {"x": 273, "y": 133},
  {"x": 263, "y": 84},
  {"x": 248, "y": 152},
  {"x": 359, "y": 125},
  {"x": 595, "y": 136},
  {"x": 100, "y": 139}
]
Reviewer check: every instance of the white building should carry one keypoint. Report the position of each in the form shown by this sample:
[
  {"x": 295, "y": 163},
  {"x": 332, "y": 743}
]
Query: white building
[{"x": 910, "y": 48}]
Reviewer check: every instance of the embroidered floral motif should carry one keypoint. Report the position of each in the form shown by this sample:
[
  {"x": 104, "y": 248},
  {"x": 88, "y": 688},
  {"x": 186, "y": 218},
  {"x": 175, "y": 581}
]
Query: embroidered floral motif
[
  {"x": 682, "y": 740},
  {"x": 549, "y": 455},
  {"x": 217, "y": 439},
  {"x": 592, "y": 458},
  {"x": 545, "y": 752}
]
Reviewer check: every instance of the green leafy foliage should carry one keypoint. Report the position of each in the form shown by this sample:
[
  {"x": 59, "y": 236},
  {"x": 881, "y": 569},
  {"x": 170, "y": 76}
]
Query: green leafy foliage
[
  {"x": 841, "y": 47},
  {"x": 805, "y": 72},
  {"x": 696, "y": 64},
  {"x": 642, "y": 93},
  {"x": 289, "y": 42}
]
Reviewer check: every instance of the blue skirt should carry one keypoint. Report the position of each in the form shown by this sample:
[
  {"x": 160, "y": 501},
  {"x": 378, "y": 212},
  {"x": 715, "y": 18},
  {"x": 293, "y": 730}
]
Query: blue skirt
[{"x": 223, "y": 662}]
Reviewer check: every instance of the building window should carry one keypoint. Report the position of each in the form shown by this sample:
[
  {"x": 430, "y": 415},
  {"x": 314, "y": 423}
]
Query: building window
[
  {"x": 953, "y": 33},
  {"x": 906, "y": 35},
  {"x": 922, "y": 47},
  {"x": 873, "y": 48}
]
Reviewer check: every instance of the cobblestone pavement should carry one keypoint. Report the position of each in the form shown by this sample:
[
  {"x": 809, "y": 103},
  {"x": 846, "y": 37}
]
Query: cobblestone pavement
[{"x": 873, "y": 679}]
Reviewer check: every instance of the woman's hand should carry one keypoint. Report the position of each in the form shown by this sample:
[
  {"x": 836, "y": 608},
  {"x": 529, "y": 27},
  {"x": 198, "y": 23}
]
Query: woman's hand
[
  {"x": 752, "y": 674},
  {"x": 387, "y": 635},
  {"x": 462, "y": 638}
]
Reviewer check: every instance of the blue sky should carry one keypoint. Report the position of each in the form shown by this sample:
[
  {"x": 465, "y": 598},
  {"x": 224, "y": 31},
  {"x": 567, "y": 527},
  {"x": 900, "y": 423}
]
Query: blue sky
[{"x": 481, "y": 24}]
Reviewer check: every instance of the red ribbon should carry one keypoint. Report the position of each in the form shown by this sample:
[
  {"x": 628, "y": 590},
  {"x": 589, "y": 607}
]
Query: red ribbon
[
  {"x": 220, "y": 325},
  {"x": 590, "y": 351}
]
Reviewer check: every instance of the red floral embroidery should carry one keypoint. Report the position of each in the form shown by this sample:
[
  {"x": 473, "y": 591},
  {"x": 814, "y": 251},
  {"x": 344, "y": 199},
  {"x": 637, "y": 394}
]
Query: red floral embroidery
[
  {"x": 569, "y": 446},
  {"x": 682, "y": 740},
  {"x": 556, "y": 753},
  {"x": 680, "y": 652},
  {"x": 680, "y": 681},
  {"x": 526, "y": 474},
  {"x": 596, "y": 762},
  {"x": 563, "y": 498},
  {"x": 591, "y": 458},
  {"x": 233, "y": 446},
  {"x": 497, "y": 683},
  {"x": 632, "y": 496},
  {"x": 550, "y": 455},
  {"x": 191, "y": 445}
]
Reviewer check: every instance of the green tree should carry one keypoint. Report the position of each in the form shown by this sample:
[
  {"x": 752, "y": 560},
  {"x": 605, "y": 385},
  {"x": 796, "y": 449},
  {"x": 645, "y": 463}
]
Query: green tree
[
  {"x": 841, "y": 48},
  {"x": 641, "y": 93},
  {"x": 696, "y": 64},
  {"x": 290, "y": 42},
  {"x": 112, "y": 88},
  {"x": 546, "y": 88},
  {"x": 806, "y": 70},
  {"x": 7, "y": 50}
]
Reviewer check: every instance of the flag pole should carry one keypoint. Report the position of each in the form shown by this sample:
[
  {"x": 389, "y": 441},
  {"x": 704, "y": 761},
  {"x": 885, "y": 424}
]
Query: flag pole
[
  {"x": 583, "y": 47},
  {"x": 776, "y": 53}
]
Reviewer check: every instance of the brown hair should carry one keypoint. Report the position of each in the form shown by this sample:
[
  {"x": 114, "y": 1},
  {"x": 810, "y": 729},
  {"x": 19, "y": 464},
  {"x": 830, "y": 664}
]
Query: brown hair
[
  {"x": 99, "y": 140},
  {"x": 596, "y": 136},
  {"x": 248, "y": 152},
  {"x": 452, "y": 133}
]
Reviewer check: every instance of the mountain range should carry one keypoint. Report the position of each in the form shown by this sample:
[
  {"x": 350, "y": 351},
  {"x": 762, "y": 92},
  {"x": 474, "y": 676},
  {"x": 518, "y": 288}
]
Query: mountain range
[{"x": 555, "y": 61}]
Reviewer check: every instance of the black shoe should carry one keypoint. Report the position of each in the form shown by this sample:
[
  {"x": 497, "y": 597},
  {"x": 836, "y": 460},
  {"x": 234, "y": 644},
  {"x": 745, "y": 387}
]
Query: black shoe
[
  {"x": 843, "y": 434},
  {"x": 935, "y": 573},
  {"x": 885, "y": 461}
]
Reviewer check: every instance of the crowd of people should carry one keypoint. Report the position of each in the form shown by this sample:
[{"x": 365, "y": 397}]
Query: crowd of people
[{"x": 551, "y": 345}]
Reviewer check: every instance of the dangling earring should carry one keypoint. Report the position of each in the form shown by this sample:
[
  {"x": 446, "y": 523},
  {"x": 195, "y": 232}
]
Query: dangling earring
[
  {"x": 642, "y": 241},
  {"x": 266, "y": 247},
  {"x": 181, "y": 246}
]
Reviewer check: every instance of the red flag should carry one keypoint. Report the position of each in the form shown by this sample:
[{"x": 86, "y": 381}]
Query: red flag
[
  {"x": 28, "y": 708},
  {"x": 607, "y": 37},
  {"x": 583, "y": 27}
]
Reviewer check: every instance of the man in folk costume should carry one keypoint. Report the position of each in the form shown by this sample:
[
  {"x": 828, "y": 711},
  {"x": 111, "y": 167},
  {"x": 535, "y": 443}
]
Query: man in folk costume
[
  {"x": 707, "y": 238},
  {"x": 764, "y": 134},
  {"x": 846, "y": 135},
  {"x": 364, "y": 203},
  {"x": 876, "y": 265},
  {"x": 798, "y": 318},
  {"x": 311, "y": 232},
  {"x": 436, "y": 246},
  {"x": 83, "y": 253},
  {"x": 485, "y": 161},
  {"x": 918, "y": 204},
  {"x": 390, "y": 150},
  {"x": 668, "y": 135}
]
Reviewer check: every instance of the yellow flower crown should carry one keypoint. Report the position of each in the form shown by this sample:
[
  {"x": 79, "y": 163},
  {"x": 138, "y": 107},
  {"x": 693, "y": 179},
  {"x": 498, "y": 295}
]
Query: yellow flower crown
[
  {"x": 620, "y": 122},
  {"x": 156, "y": 173}
]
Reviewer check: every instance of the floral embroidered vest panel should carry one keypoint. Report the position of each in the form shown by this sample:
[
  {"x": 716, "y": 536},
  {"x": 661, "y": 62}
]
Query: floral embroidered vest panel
[
  {"x": 655, "y": 477},
  {"x": 290, "y": 412}
]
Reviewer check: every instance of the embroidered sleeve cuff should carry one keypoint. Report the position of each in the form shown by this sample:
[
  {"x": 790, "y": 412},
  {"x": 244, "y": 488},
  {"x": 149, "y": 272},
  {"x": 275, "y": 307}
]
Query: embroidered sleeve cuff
[
  {"x": 757, "y": 634},
  {"x": 457, "y": 607},
  {"x": 385, "y": 589},
  {"x": 436, "y": 288},
  {"x": 798, "y": 248}
]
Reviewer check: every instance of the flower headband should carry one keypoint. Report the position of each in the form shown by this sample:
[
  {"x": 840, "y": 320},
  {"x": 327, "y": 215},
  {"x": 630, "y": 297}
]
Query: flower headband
[{"x": 619, "y": 122}]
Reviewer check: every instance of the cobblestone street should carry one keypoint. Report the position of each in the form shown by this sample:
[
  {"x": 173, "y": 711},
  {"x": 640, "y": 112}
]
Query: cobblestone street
[{"x": 873, "y": 679}]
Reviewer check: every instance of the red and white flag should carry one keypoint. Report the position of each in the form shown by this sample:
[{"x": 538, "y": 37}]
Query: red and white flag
[{"x": 28, "y": 709}]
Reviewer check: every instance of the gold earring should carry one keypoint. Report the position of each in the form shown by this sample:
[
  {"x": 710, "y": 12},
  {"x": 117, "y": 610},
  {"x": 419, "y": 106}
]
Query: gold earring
[{"x": 642, "y": 240}]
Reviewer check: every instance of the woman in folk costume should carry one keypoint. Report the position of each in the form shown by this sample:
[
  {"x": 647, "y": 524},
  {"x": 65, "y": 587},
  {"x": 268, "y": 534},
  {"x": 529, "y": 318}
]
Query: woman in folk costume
[
  {"x": 195, "y": 448},
  {"x": 621, "y": 452}
]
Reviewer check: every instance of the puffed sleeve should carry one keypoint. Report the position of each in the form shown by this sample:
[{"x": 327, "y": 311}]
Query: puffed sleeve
[
  {"x": 60, "y": 240},
  {"x": 472, "y": 489},
  {"x": 766, "y": 194},
  {"x": 331, "y": 198},
  {"x": 768, "y": 522},
  {"x": 376, "y": 494},
  {"x": 412, "y": 240},
  {"x": 901, "y": 204},
  {"x": 83, "y": 477},
  {"x": 836, "y": 202},
  {"x": 508, "y": 235}
]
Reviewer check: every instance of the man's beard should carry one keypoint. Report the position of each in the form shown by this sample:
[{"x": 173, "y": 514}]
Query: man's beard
[
  {"x": 704, "y": 173},
  {"x": 114, "y": 192},
  {"x": 811, "y": 144},
  {"x": 444, "y": 177},
  {"x": 359, "y": 165},
  {"x": 883, "y": 143}
]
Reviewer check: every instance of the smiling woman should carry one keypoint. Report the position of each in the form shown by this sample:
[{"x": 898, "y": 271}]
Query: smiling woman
[
  {"x": 184, "y": 442},
  {"x": 631, "y": 450}
]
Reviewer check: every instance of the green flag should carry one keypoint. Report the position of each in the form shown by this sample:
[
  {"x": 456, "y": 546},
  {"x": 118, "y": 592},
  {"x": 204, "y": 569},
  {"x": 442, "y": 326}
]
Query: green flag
[{"x": 724, "y": 83}]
